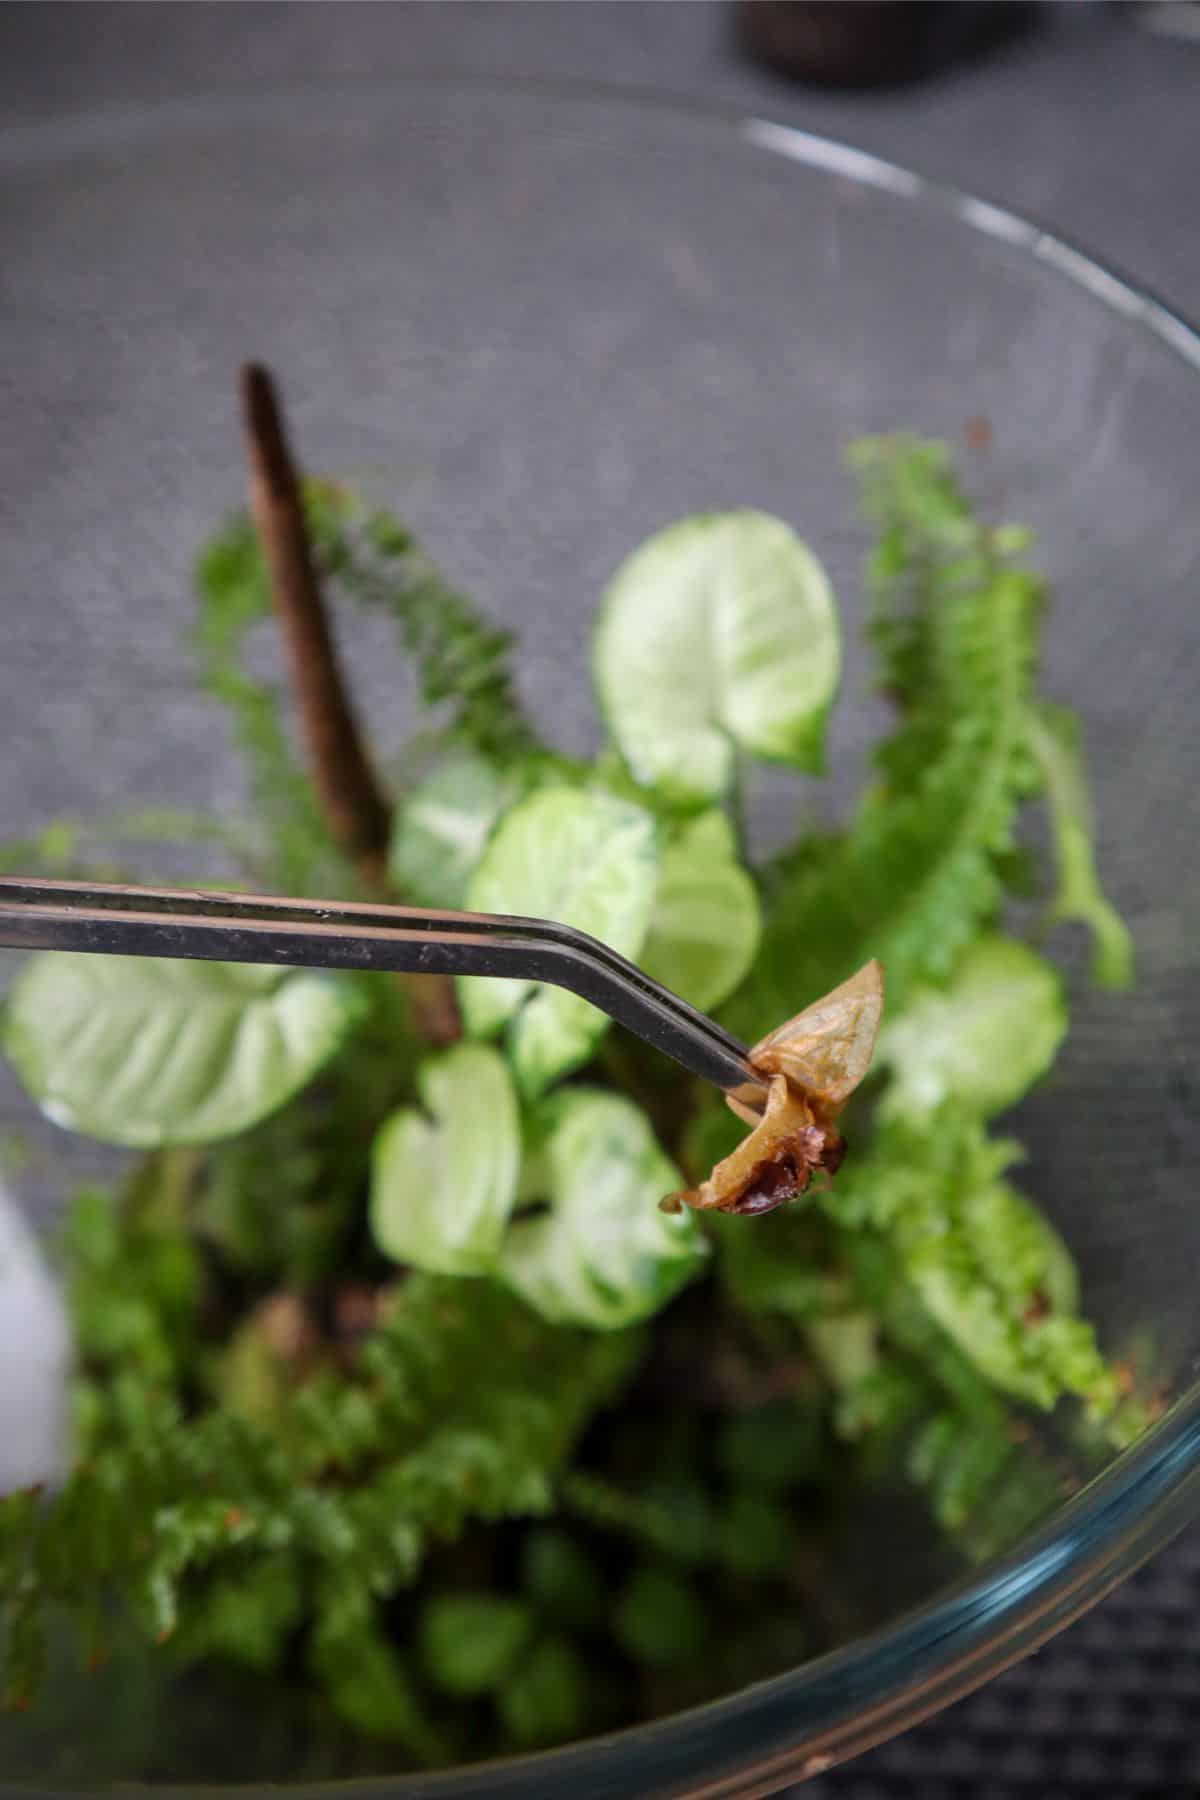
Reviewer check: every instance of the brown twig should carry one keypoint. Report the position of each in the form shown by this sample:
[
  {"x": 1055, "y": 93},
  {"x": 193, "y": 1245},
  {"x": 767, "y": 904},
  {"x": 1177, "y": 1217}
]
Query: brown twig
[{"x": 355, "y": 807}]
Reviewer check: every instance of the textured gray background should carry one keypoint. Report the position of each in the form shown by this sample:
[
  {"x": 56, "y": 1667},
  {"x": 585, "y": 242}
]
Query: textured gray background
[{"x": 1085, "y": 123}]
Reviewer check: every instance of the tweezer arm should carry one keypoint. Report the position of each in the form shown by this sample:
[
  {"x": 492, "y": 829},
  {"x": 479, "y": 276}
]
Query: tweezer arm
[{"x": 136, "y": 921}]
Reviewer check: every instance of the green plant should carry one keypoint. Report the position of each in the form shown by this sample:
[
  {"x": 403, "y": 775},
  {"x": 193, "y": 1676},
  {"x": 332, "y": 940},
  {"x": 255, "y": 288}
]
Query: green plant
[{"x": 378, "y": 1305}]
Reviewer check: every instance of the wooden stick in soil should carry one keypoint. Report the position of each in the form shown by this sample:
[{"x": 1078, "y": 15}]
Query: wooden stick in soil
[{"x": 355, "y": 806}]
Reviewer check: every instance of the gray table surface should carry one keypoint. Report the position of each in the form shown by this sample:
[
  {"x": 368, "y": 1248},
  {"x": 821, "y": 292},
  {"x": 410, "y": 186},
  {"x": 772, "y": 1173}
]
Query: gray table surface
[{"x": 1086, "y": 123}]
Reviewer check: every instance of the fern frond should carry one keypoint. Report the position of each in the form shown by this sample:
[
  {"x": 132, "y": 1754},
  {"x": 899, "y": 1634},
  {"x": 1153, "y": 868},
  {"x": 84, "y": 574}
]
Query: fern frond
[
  {"x": 923, "y": 865},
  {"x": 234, "y": 597},
  {"x": 1055, "y": 740},
  {"x": 365, "y": 1677},
  {"x": 463, "y": 1405},
  {"x": 462, "y": 662},
  {"x": 990, "y": 1274}
]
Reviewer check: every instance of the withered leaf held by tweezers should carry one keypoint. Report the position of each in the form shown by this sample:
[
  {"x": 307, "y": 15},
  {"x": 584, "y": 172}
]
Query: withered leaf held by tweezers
[{"x": 813, "y": 1062}]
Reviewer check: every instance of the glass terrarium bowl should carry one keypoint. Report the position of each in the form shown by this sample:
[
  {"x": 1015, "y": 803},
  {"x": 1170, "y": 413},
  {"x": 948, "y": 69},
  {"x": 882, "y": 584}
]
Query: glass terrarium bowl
[{"x": 545, "y": 322}]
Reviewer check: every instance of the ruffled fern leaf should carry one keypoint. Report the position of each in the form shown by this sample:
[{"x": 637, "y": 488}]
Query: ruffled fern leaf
[
  {"x": 922, "y": 867},
  {"x": 461, "y": 1405},
  {"x": 233, "y": 598},
  {"x": 462, "y": 662}
]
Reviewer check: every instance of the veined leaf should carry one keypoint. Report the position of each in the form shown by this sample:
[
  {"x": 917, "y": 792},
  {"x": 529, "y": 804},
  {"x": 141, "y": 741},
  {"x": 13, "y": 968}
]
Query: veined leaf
[
  {"x": 984, "y": 1039},
  {"x": 602, "y": 1254},
  {"x": 718, "y": 633},
  {"x": 442, "y": 827},
  {"x": 584, "y": 859},
  {"x": 1054, "y": 738},
  {"x": 147, "y": 1051},
  {"x": 443, "y": 1181},
  {"x": 705, "y": 925}
]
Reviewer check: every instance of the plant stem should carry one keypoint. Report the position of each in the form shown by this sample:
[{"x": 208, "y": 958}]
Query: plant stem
[{"x": 355, "y": 808}]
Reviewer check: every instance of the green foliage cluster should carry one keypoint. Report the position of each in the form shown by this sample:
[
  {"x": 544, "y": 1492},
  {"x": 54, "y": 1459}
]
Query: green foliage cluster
[
  {"x": 393, "y": 1380},
  {"x": 367, "y": 556},
  {"x": 931, "y": 853},
  {"x": 290, "y": 1508}
]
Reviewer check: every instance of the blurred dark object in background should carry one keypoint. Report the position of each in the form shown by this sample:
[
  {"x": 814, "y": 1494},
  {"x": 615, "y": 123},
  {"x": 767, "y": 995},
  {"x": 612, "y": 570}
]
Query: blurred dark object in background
[
  {"x": 1168, "y": 18},
  {"x": 873, "y": 43}
]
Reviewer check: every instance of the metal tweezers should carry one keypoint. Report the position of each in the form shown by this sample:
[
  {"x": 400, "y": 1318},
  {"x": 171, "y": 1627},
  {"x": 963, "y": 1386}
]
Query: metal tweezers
[{"x": 106, "y": 919}]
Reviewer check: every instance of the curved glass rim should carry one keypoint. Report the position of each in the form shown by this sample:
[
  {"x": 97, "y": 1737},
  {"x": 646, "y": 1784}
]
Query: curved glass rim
[{"x": 801, "y": 1722}]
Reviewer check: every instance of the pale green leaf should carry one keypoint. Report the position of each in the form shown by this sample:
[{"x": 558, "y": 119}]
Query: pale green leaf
[
  {"x": 984, "y": 1038},
  {"x": 718, "y": 633},
  {"x": 1054, "y": 741},
  {"x": 602, "y": 1254},
  {"x": 442, "y": 827},
  {"x": 443, "y": 1181},
  {"x": 584, "y": 859},
  {"x": 705, "y": 925},
  {"x": 148, "y": 1051}
]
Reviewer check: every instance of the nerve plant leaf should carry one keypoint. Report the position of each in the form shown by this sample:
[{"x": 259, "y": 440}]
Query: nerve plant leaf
[
  {"x": 146, "y": 1051},
  {"x": 705, "y": 925},
  {"x": 584, "y": 859},
  {"x": 984, "y": 1038},
  {"x": 443, "y": 1181},
  {"x": 442, "y": 827},
  {"x": 602, "y": 1254},
  {"x": 720, "y": 633}
]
